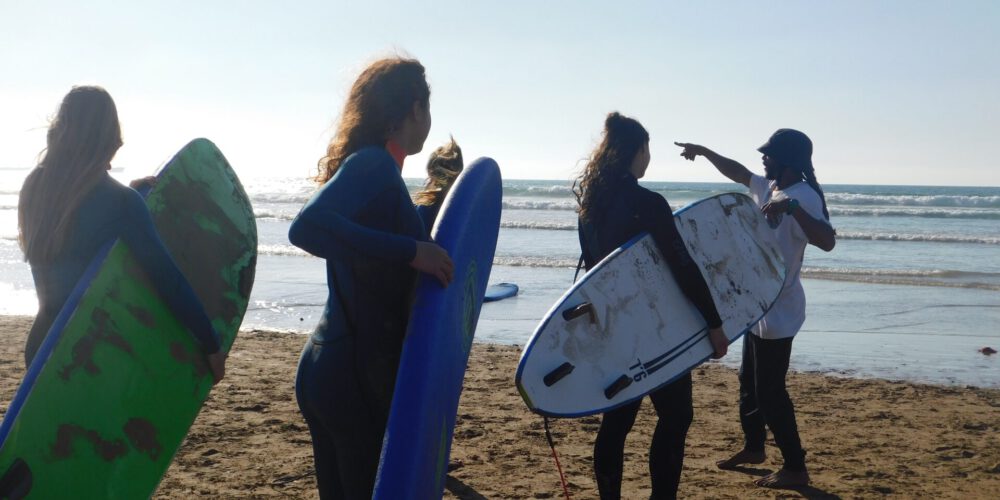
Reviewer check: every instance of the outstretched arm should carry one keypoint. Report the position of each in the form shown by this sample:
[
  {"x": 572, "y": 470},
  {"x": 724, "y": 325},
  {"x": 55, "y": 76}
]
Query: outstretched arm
[{"x": 727, "y": 167}]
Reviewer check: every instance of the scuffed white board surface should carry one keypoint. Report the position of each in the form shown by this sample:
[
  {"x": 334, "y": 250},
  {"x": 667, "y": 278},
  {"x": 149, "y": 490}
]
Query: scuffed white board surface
[{"x": 642, "y": 326}]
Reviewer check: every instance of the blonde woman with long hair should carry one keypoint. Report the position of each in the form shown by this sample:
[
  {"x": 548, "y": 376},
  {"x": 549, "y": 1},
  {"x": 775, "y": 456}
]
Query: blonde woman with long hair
[{"x": 69, "y": 208}]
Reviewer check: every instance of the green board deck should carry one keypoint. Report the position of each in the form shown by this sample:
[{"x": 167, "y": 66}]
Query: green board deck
[{"x": 119, "y": 381}]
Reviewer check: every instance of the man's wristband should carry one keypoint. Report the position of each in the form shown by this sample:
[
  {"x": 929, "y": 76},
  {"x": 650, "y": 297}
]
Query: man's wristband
[{"x": 792, "y": 205}]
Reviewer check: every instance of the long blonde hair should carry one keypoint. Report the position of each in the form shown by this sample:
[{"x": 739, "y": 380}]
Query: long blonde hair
[
  {"x": 81, "y": 141},
  {"x": 379, "y": 101},
  {"x": 443, "y": 166}
]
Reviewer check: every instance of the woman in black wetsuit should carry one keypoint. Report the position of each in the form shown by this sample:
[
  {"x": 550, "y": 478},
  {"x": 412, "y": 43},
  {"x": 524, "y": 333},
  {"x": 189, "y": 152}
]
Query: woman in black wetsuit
[
  {"x": 614, "y": 208},
  {"x": 69, "y": 207},
  {"x": 363, "y": 223}
]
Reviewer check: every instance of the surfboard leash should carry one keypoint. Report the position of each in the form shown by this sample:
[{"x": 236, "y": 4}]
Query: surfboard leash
[
  {"x": 545, "y": 420},
  {"x": 579, "y": 265},
  {"x": 552, "y": 445}
]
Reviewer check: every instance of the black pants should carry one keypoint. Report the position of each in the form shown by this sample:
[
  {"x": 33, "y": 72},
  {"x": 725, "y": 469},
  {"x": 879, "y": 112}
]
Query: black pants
[
  {"x": 675, "y": 410},
  {"x": 345, "y": 400},
  {"x": 764, "y": 401}
]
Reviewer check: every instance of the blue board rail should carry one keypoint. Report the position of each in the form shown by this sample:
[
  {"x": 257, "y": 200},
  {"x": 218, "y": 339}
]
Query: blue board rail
[{"x": 417, "y": 440}]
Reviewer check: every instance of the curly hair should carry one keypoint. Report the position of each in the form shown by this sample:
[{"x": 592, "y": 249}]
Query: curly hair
[
  {"x": 378, "y": 103},
  {"x": 623, "y": 138},
  {"x": 443, "y": 167}
]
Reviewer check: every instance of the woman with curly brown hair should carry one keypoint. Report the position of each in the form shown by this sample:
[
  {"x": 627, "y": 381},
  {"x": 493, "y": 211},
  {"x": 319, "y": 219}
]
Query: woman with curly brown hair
[
  {"x": 613, "y": 209},
  {"x": 363, "y": 223}
]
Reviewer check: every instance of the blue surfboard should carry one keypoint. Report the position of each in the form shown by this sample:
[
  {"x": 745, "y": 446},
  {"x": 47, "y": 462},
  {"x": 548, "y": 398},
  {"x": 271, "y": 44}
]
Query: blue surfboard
[
  {"x": 500, "y": 291},
  {"x": 443, "y": 321}
]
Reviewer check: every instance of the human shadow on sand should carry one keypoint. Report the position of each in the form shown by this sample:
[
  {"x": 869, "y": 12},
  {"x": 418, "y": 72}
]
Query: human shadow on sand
[
  {"x": 462, "y": 490},
  {"x": 809, "y": 491},
  {"x": 753, "y": 471},
  {"x": 814, "y": 493}
]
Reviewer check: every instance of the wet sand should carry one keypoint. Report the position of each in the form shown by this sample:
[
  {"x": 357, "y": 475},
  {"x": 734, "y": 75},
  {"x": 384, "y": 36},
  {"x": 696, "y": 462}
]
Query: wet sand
[{"x": 865, "y": 438}]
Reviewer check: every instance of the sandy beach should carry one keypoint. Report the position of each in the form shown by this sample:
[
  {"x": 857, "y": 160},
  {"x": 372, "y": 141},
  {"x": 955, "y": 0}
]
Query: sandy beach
[{"x": 865, "y": 438}]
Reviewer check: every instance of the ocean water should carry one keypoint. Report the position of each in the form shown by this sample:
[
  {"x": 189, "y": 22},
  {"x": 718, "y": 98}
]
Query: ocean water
[{"x": 911, "y": 291}]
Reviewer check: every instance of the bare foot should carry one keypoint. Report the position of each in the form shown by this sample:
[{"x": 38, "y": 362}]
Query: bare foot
[
  {"x": 742, "y": 458},
  {"x": 783, "y": 479}
]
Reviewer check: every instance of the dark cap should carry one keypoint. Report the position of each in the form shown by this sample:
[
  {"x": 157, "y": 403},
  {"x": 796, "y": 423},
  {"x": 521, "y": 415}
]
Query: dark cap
[{"x": 790, "y": 148}]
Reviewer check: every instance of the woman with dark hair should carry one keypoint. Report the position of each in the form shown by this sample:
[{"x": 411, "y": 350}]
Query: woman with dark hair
[
  {"x": 363, "y": 223},
  {"x": 614, "y": 208},
  {"x": 443, "y": 167},
  {"x": 792, "y": 201},
  {"x": 69, "y": 207}
]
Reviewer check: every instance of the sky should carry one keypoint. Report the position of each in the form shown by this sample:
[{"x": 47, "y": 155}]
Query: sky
[{"x": 891, "y": 92}]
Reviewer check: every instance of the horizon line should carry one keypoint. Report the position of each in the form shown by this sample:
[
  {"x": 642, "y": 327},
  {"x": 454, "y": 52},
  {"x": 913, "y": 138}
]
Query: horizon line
[{"x": 551, "y": 179}]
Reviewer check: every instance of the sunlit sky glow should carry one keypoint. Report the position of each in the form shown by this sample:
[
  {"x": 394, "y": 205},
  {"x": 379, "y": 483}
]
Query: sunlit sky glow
[{"x": 892, "y": 92}]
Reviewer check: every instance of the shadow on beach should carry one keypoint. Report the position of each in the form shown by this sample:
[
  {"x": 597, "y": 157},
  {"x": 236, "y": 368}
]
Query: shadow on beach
[{"x": 462, "y": 490}]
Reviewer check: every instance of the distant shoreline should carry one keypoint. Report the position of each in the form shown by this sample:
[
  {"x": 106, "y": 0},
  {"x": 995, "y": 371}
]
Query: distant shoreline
[{"x": 569, "y": 180}]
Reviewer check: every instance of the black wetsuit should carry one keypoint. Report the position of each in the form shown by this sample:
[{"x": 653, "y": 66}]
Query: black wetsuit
[
  {"x": 629, "y": 211},
  {"x": 428, "y": 214},
  {"x": 111, "y": 211},
  {"x": 363, "y": 223}
]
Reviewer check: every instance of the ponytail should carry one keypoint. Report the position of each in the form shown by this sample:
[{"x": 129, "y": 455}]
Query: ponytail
[
  {"x": 443, "y": 167},
  {"x": 623, "y": 138}
]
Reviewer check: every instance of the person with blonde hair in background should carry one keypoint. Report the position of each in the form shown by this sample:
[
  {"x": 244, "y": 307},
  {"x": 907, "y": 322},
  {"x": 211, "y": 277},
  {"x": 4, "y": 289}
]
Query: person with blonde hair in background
[{"x": 443, "y": 167}]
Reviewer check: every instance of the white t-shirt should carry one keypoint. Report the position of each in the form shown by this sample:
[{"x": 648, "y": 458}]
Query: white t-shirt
[{"x": 789, "y": 311}]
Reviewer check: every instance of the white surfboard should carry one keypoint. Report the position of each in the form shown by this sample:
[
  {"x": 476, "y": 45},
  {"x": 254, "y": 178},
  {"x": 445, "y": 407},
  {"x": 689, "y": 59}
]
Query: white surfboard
[{"x": 626, "y": 328}]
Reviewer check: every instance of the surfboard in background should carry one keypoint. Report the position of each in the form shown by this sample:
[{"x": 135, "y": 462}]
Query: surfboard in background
[
  {"x": 500, "y": 291},
  {"x": 118, "y": 380},
  {"x": 626, "y": 328},
  {"x": 432, "y": 367}
]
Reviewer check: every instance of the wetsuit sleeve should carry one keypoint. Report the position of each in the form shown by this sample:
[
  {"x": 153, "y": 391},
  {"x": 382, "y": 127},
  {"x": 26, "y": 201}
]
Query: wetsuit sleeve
[
  {"x": 428, "y": 215},
  {"x": 325, "y": 226},
  {"x": 657, "y": 218},
  {"x": 141, "y": 237}
]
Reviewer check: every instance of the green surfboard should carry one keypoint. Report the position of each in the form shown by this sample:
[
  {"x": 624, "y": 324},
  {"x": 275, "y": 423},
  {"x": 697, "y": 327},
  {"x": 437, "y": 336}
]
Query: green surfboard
[{"x": 118, "y": 381}]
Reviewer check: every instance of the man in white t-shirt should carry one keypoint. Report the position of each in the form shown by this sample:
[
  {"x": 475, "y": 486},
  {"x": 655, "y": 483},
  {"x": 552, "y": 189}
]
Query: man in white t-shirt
[{"x": 793, "y": 203}]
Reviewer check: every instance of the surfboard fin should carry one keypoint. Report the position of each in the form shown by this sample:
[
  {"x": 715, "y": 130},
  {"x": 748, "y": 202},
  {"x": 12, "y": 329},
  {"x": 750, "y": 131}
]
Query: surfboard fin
[
  {"x": 579, "y": 310},
  {"x": 16, "y": 482},
  {"x": 558, "y": 374},
  {"x": 617, "y": 386}
]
